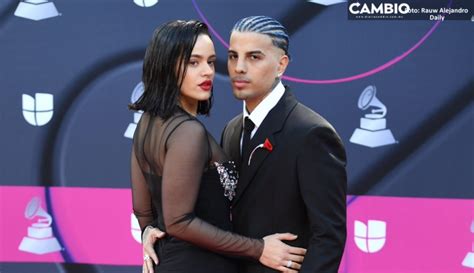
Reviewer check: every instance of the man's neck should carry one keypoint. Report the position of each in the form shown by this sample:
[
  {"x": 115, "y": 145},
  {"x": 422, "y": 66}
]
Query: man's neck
[{"x": 251, "y": 105}]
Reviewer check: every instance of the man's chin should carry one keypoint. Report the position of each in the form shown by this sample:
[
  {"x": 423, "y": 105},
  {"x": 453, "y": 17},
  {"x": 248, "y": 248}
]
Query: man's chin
[{"x": 239, "y": 94}]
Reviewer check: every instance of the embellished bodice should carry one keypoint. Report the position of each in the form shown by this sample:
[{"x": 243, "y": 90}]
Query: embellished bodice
[{"x": 229, "y": 177}]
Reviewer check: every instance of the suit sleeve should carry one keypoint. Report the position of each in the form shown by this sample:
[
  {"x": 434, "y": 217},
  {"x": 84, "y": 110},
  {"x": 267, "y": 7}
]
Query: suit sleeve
[{"x": 323, "y": 182}]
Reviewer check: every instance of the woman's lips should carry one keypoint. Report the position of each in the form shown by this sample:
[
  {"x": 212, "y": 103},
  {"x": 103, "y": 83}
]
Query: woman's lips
[{"x": 206, "y": 85}]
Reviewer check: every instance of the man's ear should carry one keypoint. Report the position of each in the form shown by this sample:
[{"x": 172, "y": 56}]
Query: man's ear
[{"x": 282, "y": 64}]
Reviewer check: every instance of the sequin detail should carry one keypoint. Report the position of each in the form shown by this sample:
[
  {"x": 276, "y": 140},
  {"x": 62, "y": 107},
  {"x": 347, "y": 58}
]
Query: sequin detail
[{"x": 229, "y": 177}]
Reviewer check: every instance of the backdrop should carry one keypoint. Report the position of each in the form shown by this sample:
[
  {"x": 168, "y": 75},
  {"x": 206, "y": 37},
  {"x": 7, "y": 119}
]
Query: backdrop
[{"x": 399, "y": 92}]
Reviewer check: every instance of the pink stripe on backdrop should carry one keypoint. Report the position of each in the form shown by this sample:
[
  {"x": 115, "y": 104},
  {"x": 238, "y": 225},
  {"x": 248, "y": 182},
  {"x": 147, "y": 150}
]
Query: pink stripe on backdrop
[
  {"x": 95, "y": 225},
  {"x": 422, "y": 234},
  {"x": 14, "y": 225}
]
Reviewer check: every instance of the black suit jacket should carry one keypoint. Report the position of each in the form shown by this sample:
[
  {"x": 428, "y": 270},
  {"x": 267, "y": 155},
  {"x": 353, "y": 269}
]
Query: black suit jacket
[{"x": 298, "y": 187}]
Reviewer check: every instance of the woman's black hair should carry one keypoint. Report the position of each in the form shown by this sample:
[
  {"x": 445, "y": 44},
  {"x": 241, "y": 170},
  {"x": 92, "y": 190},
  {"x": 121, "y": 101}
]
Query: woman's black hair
[{"x": 164, "y": 68}]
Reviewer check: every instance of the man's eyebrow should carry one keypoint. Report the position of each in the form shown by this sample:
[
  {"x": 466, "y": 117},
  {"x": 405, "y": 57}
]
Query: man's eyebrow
[{"x": 259, "y": 52}]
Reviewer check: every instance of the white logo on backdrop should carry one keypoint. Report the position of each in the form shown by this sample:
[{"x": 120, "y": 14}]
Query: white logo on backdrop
[
  {"x": 36, "y": 10},
  {"x": 38, "y": 111},
  {"x": 373, "y": 130},
  {"x": 370, "y": 238},
  {"x": 40, "y": 239},
  {"x": 145, "y": 3},
  {"x": 327, "y": 2},
  {"x": 469, "y": 259},
  {"x": 136, "y": 94},
  {"x": 136, "y": 231}
]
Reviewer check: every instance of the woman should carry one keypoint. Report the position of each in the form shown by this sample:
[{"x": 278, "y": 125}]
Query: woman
[{"x": 181, "y": 179}]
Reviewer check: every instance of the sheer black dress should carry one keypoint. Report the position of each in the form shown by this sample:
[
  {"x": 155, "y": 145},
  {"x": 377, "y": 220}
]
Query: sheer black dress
[{"x": 182, "y": 183}]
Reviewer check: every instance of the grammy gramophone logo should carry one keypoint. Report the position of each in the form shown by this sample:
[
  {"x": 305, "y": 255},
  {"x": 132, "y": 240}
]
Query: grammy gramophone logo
[
  {"x": 373, "y": 130},
  {"x": 36, "y": 10},
  {"x": 136, "y": 94},
  {"x": 40, "y": 239}
]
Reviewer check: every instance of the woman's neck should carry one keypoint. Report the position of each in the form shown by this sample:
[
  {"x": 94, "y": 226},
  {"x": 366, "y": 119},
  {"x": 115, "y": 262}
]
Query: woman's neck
[{"x": 189, "y": 106}]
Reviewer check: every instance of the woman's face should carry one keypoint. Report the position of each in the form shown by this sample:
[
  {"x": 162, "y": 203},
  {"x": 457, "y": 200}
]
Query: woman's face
[{"x": 200, "y": 70}]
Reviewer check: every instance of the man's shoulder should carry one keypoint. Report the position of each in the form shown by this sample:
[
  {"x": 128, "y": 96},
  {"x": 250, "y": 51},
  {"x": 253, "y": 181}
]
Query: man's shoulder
[
  {"x": 306, "y": 118},
  {"x": 234, "y": 121},
  {"x": 230, "y": 127},
  {"x": 305, "y": 124}
]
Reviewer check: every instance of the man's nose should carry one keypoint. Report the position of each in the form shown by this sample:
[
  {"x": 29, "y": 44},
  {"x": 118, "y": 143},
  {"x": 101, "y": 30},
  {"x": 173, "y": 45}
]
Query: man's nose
[{"x": 240, "y": 66}]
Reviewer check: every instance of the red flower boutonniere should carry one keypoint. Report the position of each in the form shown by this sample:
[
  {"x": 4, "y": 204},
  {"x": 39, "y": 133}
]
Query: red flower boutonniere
[{"x": 267, "y": 145}]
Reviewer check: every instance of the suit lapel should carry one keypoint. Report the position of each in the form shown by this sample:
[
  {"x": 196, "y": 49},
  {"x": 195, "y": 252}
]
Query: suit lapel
[
  {"x": 234, "y": 141},
  {"x": 271, "y": 125}
]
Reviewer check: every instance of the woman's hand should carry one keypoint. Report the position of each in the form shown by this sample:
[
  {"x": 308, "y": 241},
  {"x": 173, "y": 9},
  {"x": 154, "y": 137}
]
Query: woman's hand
[
  {"x": 280, "y": 256},
  {"x": 150, "y": 236}
]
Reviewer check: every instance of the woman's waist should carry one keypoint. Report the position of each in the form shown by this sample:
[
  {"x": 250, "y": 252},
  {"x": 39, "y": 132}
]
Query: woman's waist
[{"x": 170, "y": 246}]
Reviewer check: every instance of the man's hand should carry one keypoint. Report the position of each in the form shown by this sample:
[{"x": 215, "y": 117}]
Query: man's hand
[
  {"x": 280, "y": 256},
  {"x": 150, "y": 236}
]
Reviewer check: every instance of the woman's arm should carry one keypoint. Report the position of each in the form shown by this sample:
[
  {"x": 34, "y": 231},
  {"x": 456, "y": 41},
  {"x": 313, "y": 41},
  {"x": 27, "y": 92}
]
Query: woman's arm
[
  {"x": 185, "y": 160},
  {"x": 141, "y": 199}
]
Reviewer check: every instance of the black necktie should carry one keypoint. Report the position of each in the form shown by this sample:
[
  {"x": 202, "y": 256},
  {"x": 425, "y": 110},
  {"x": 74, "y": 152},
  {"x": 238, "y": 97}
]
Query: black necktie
[{"x": 248, "y": 128}]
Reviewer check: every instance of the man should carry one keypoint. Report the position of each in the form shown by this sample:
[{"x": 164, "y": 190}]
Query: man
[
  {"x": 297, "y": 181},
  {"x": 292, "y": 162}
]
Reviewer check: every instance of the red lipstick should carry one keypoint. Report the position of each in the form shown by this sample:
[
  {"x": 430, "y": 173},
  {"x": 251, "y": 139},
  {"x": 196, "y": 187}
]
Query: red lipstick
[{"x": 206, "y": 85}]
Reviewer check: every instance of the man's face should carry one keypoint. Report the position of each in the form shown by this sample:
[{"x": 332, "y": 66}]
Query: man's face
[{"x": 254, "y": 64}]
